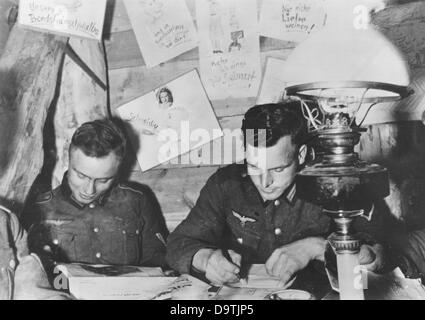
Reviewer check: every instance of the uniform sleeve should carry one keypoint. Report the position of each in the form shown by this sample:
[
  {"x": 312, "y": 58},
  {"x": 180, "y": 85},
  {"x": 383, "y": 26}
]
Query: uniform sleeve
[
  {"x": 371, "y": 230},
  {"x": 39, "y": 240},
  {"x": 30, "y": 281},
  {"x": 409, "y": 254},
  {"x": 203, "y": 228},
  {"x": 154, "y": 235}
]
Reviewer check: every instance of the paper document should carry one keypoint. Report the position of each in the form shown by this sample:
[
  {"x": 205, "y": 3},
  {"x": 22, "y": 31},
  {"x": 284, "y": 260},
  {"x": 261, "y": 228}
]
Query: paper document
[
  {"x": 100, "y": 282},
  {"x": 259, "y": 278}
]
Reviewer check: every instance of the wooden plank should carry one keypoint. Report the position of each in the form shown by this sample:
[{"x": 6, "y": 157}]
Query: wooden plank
[
  {"x": 6, "y": 7},
  {"x": 29, "y": 69},
  {"x": 91, "y": 54},
  {"x": 116, "y": 19},
  {"x": 186, "y": 184}
]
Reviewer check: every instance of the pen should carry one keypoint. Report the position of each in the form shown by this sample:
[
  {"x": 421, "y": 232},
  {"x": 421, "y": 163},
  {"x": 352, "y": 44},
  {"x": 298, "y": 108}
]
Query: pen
[{"x": 241, "y": 274}]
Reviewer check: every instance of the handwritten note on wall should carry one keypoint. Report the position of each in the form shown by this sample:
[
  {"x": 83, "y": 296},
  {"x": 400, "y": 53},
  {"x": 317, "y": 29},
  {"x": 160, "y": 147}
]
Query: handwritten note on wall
[
  {"x": 164, "y": 29},
  {"x": 229, "y": 47},
  {"x": 80, "y": 18},
  {"x": 291, "y": 20}
]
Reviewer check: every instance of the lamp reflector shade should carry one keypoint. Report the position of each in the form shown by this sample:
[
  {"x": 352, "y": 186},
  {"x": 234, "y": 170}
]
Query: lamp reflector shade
[{"x": 346, "y": 61}]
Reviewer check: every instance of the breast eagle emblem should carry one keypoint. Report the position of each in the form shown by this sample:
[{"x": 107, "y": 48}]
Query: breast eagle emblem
[{"x": 243, "y": 219}]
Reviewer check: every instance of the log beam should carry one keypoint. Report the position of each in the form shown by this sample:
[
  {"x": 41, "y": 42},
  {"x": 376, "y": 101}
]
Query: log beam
[{"x": 29, "y": 70}]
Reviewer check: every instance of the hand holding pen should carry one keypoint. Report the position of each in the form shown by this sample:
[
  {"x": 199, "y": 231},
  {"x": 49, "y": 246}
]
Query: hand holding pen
[{"x": 223, "y": 266}]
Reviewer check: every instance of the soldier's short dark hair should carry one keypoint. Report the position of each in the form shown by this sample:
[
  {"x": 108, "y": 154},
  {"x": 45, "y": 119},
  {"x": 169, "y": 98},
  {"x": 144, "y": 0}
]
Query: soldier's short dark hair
[
  {"x": 264, "y": 125},
  {"x": 99, "y": 138}
]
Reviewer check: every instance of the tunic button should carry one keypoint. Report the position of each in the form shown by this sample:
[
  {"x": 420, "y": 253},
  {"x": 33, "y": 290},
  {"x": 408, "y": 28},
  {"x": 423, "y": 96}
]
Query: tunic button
[
  {"x": 277, "y": 203},
  {"x": 98, "y": 255},
  {"x": 56, "y": 241},
  {"x": 12, "y": 264},
  {"x": 124, "y": 232},
  {"x": 91, "y": 205},
  {"x": 137, "y": 231},
  {"x": 278, "y": 231},
  {"x": 96, "y": 230},
  {"x": 240, "y": 240}
]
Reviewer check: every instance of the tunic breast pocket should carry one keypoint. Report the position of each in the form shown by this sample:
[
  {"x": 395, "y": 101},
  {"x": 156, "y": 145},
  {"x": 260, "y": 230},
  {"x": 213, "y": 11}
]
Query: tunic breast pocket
[
  {"x": 131, "y": 242},
  {"x": 63, "y": 244},
  {"x": 242, "y": 234}
]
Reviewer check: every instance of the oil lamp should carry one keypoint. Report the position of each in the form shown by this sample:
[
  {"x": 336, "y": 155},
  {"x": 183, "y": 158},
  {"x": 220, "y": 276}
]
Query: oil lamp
[{"x": 343, "y": 71}]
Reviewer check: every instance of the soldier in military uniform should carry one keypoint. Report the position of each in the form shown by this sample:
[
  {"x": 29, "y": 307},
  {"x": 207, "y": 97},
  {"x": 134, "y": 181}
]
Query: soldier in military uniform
[
  {"x": 250, "y": 213},
  {"x": 22, "y": 276},
  {"x": 92, "y": 217}
]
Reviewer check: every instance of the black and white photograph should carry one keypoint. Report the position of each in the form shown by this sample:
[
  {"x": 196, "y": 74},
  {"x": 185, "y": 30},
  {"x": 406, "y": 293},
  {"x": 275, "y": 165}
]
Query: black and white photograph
[{"x": 209, "y": 156}]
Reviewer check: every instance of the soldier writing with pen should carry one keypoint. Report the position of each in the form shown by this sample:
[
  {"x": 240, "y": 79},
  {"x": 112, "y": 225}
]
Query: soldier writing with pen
[{"x": 250, "y": 213}]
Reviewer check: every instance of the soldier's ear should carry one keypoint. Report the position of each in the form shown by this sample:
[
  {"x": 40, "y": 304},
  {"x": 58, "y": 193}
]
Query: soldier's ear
[{"x": 302, "y": 154}]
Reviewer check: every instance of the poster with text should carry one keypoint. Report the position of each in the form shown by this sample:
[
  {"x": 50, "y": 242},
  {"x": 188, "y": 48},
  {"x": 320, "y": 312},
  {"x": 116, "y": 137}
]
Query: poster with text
[
  {"x": 291, "y": 20},
  {"x": 80, "y": 18},
  {"x": 229, "y": 48},
  {"x": 164, "y": 29},
  {"x": 170, "y": 121}
]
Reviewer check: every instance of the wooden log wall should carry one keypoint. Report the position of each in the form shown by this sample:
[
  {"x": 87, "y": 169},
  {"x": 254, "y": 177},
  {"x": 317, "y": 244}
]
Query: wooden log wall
[
  {"x": 396, "y": 145},
  {"x": 29, "y": 67},
  {"x": 80, "y": 99}
]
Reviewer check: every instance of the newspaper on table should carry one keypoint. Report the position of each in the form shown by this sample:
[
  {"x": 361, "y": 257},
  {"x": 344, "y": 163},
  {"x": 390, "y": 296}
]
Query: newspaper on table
[{"x": 105, "y": 282}]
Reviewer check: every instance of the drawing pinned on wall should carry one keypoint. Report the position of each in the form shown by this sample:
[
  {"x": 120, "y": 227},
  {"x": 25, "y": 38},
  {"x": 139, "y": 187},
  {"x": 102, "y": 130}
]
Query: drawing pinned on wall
[
  {"x": 229, "y": 48},
  {"x": 70, "y": 17},
  {"x": 170, "y": 121},
  {"x": 291, "y": 20},
  {"x": 164, "y": 29}
]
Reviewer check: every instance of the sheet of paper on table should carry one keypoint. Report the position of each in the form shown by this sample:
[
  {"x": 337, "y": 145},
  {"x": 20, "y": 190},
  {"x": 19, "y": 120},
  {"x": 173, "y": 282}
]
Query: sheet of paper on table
[
  {"x": 102, "y": 282},
  {"x": 257, "y": 286},
  {"x": 229, "y": 293},
  {"x": 258, "y": 278}
]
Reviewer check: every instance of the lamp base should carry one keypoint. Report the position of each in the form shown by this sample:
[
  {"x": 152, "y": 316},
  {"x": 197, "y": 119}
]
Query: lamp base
[{"x": 342, "y": 187}]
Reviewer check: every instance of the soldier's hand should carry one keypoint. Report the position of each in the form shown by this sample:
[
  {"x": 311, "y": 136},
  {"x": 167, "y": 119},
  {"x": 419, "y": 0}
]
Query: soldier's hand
[
  {"x": 285, "y": 261},
  {"x": 372, "y": 257},
  {"x": 220, "y": 270}
]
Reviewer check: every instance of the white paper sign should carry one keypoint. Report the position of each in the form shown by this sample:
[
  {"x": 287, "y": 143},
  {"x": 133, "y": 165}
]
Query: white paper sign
[
  {"x": 164, "y": 29},
  {"x": 170, "y": 121},
  {"x": 80, "y": 18},
  {"x": 229, "y": 47},
  {"x": 273, "y": 86},
  {"x": 291, "y": 20}
]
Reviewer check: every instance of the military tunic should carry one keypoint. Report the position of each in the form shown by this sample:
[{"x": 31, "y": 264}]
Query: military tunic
[
  {"x": 230, "y": 214},
  {"x": 122, "y": 227}
]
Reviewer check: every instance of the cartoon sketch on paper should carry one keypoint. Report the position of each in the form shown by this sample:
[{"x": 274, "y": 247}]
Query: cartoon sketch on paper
[
  {"x": 216, "y": 30},
  {"x": 235, "y": 33}
]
